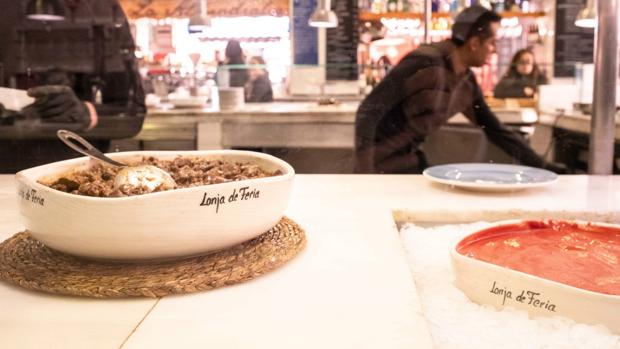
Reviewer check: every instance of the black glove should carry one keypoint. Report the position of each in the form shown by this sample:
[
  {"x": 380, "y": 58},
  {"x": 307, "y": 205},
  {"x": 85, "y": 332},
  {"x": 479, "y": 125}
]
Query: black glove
[{"x": 57, "y": 103}]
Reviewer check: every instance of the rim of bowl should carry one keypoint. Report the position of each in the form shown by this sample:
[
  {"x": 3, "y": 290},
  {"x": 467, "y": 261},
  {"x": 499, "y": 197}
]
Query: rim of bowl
[{"x": 26, "y": 176}]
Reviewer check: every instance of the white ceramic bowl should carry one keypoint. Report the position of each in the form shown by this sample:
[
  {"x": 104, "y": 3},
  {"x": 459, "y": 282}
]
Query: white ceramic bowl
[
  {"x": 477, "y": 278},
  {"x": 165, "y": 224},
  {"x": 231, "y": 98}
]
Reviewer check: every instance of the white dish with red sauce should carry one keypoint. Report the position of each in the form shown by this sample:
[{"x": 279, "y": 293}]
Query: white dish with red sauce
[
  {"x": 165, "y": 224},
  {"x": 547, "y": 268}
]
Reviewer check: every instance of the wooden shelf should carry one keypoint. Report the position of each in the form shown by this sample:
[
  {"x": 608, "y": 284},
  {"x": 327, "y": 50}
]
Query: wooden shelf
[
  {"x": 509, "y": 14},
  {"x": 369, "y": 16}
]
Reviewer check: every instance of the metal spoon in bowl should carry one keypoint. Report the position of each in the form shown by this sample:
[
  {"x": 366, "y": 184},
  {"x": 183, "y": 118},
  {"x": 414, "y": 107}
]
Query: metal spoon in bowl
[{"x": 142, "y": 176}]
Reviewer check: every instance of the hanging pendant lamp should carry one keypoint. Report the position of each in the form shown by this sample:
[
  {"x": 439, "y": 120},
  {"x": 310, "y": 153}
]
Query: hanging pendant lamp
[
  {"x": 45, "y": 10},
  {"x": 586, "y": 18},
  {"x": 201, "y": 21},
  {"x": 323, "y": 16}
]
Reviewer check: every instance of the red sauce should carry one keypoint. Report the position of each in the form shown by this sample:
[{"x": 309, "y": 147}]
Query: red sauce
[{"x": 586, "y": 256}]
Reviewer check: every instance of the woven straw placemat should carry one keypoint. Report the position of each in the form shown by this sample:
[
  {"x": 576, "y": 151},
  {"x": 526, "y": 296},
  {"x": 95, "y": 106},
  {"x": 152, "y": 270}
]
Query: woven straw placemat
[{"x": 28, "y": 263}]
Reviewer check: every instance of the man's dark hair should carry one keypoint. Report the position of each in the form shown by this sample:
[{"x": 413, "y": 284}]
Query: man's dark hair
[{"x": 474, "y": 21}]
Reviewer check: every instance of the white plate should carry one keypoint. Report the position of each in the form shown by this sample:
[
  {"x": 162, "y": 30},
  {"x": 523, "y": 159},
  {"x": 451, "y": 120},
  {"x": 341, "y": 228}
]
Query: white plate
[
  {"x": 490, "y": 177},
  {"x": 13, "y": 99}
]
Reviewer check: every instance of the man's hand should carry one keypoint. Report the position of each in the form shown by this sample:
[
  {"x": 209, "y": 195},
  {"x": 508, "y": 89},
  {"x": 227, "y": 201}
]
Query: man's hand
[
  {"x": 557, "y": 167},
  {"x": 56, "y": 103}
]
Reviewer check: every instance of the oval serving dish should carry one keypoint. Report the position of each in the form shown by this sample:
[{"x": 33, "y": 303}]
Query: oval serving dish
[
  {"x": 167, "y": 224},
  {"x": 547, "y": 268}
]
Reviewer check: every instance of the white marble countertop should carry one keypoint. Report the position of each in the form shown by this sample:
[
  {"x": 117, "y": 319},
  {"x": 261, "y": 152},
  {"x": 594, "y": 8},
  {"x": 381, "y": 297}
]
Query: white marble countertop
[
  {"x": 345, "y": 110},
  {"x": 273, "y": 108},
  {"x": 572, "y": 121},
  {"x": 257, "y": 124},
  {"x": 350, "y": 288}
]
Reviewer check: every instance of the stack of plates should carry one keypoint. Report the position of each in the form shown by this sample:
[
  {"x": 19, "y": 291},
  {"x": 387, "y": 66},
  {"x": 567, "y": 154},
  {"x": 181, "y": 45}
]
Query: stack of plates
[
  {"x": 188, "y": 102},
  {"x": 231, "y": 98}
]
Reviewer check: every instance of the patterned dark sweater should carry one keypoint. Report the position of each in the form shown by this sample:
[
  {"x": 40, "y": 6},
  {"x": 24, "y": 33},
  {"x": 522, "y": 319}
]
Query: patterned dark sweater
[{"x": 418, "y": 96}]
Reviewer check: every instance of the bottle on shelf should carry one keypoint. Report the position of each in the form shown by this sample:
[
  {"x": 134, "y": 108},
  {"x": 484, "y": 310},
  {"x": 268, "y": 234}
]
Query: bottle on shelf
[
  {"x": 412, "y": 5},
  {"x": 455, "y": 6},
  {"x": 525, "y": 6},
  {"x": 497, "y": 5},
  {"x": 446, "y": 6},
  {"x": 511, "y": 5},
  {"x": 406, "y": 6},
  {"x": 392, "y": 5},
  {"x": 363, "y": 5},
  {"x": 535, "y": 5},
  {"x": 484, "y": 3},
  {"x": 378, "y": 6}
]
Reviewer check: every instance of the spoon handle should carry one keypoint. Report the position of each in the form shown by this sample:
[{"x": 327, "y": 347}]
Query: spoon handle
[{"x": 82, "y": 146}]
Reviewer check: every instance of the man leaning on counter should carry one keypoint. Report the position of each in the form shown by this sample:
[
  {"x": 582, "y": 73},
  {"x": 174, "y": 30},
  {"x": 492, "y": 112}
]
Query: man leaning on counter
[{"x": 429, "y": 86}]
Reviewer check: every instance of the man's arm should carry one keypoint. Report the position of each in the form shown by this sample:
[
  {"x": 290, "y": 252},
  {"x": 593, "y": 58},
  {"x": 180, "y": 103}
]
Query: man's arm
[
  {"x": 370, "y": 112},
  {"x": 391, "y": 91},
  {"x": 498, "y": 134}
]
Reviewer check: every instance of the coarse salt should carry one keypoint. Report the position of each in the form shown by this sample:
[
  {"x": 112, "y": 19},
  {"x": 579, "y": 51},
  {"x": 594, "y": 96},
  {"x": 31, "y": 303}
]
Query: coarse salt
[{"x": 456, "y": 322}]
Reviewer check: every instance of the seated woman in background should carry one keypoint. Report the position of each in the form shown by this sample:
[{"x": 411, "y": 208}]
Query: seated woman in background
[
  {"x": 522, "y": 78},
  {"x": 258, "y": 88}
]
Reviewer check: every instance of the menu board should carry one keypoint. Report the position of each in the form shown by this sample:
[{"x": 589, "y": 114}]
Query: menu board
[
  {"x": 341, "y": 56},
  {"x": 305, "y": 37},
  {"x": 572, "y": 44}
]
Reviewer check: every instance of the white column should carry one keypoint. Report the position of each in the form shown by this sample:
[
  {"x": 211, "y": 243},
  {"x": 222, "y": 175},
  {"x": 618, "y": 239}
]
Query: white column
[{"x": 600, "y": 161}]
